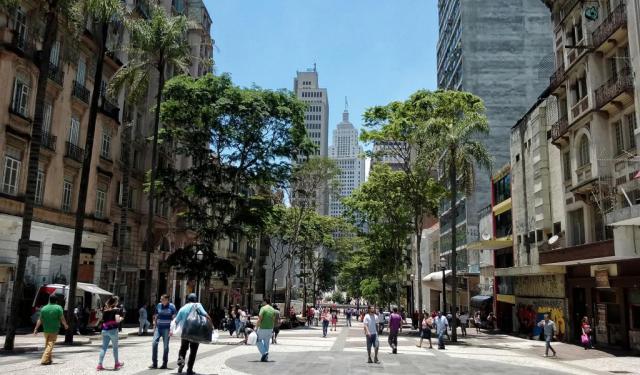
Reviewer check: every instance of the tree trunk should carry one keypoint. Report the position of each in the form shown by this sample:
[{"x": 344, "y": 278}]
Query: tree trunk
[
  {"x": 84, "y": 181},
  {"x": 148, "y": 244},
  {"x": 304, "y": 285},
  {"x": 418, "y": 227},
  {"x": 51, "y": 29},
  {"x": 124, "y": 208},
  {"x": 454, "y": 257}
]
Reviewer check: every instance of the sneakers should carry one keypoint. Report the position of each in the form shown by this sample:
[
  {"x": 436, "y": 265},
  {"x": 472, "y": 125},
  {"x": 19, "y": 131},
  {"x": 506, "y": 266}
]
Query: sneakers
[
  {"x": 118, "y": 366},
  {"x": 163, "y": 367},
  {"x": 180, "y": 364},
  {"x": 100, "y": 368},
  {"x": 263, "y": 358},
  {"x": 375, "y": 360},
  {"x": 395, "y": 351},
  {"x": 153, "y": 367},
  {"x": 369, "y": 360}
]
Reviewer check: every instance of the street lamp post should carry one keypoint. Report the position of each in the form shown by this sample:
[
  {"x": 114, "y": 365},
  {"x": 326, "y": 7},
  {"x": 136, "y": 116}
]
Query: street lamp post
[
  {"x": 199, "y": 256},
  {"x": 413, "y": 297},
  {"x": 443, "y": 266},
  {"x": 250, "y": 282},
  {"x": 273, "y": 291}
]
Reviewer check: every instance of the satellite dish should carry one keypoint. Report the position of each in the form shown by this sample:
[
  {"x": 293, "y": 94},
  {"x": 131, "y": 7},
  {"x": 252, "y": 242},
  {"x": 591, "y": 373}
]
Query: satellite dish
[
  {"x": 553, "y": 239},
  {"x": 591, "y": 13},
  {"x": 486, "y": 236}
]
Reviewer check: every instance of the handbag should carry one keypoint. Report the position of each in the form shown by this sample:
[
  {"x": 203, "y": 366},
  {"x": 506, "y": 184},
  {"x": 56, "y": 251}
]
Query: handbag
[
  {"x": 215, "y": 336},
  {"x": 252, "y": 339},
  {"x": 584, "y": 339},
  {"x": 196, "y": 327},
  {"x": 175, "y": 328}
]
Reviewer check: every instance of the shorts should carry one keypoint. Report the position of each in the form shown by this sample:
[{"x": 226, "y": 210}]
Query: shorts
[
  {"x": 426, "y": 333},
  {"x": 372, "y": 340}
]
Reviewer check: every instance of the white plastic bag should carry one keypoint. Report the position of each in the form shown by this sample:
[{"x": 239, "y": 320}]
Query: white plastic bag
[
  {"x": 252, "y": 339},
  {"x": 175, "y": 329},
  {"x": 215, "y": 336}
]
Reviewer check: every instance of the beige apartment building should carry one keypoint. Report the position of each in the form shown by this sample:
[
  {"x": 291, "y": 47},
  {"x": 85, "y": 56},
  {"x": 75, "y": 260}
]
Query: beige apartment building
[
  {"x": 596, "y": 134},
  {"x": 66, "y": 113}
]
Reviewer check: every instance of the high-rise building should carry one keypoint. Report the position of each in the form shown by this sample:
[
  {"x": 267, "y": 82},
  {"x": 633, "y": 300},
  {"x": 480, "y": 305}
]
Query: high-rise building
[
  {"x": 347, "y": 154},
  {"x": 316, "y": 120},
  {"x": 495, "y": 50}
]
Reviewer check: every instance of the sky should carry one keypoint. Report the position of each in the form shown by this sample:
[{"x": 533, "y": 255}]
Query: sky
[{"x": 371, "y": 51}]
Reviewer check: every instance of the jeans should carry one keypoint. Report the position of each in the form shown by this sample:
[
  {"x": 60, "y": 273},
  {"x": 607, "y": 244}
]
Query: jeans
[
  {"x": 240, "y": 327},
  {"x": 349, "y": 320},
  {"x": 193, "y": 350},
  {"x": 157, "y": 334},
  {"x": 325, "y": 327},
  {"x": 264, "y": 338},
  {"x": 441, "y": 338},
  {"x": 393, "y": 339},
  {"x": 144, "y": 325},
  {"x": 50, "y": 341},
  {"x": 109, "y": 335},
  {"x": 547, "y": 345}
]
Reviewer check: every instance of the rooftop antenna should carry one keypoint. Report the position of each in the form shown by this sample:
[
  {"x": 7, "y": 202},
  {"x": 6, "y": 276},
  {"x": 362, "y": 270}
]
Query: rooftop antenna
[
  {"x": 314, "y": 67},
  {"x": 346, "y": 104}
]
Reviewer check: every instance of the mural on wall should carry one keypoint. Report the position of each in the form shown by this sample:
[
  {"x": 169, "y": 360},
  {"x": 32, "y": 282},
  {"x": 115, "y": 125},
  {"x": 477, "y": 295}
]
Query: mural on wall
[{"x": 533, "y": 310}]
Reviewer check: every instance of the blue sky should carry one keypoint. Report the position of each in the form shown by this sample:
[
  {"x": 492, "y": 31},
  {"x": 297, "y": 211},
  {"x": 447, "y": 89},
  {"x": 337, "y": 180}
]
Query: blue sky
[{"x": 372, "y": 51}]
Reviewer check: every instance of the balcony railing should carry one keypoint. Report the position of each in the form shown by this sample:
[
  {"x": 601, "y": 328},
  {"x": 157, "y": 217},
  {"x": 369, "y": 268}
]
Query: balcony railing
[
  {"x": 56, "y": 74},
  {"x": 580, "y": 108},
  {"x": 80, "y": 92},
  {"x": 616, "y": 19},
  {"x": 108, "y": 108},
  {"x": 23, "y": 44},
  {"x": 73, "y": 152},
  {"x": 557, "y": 77},
  {"x": 622, "y": 82},
  {"x": 48, "y": 141},
  {"x": 559, "y": 128}
]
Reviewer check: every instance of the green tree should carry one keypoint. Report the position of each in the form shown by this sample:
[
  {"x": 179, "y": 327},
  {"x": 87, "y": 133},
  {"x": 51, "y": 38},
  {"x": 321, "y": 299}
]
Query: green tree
[
  {"x": 457, "y": 123},
  {"x": 155, "y": 43},
  {"x": 102, "y": 13},
  {"x": 402, "y": 125}
]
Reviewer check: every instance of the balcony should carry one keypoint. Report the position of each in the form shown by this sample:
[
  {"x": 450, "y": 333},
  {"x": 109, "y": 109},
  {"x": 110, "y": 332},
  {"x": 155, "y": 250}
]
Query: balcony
[
  {"x": 109, "y": 108},
  {"x": 615, "y": 89},
  {"x": 585, "y": 253},
  {"x": 580, "y": 108},
  {"x": 617, "y": 20},
  {"x": 80, "y": 92},
  {"x": 560, "y": 128},
  {"x": 48, "y": 141},
  {"x": 557, "y": 77},
  {"x": 73, "y": 152},
  {"x": 22, "y": 45},
  {"x": 56, "y": 74}
]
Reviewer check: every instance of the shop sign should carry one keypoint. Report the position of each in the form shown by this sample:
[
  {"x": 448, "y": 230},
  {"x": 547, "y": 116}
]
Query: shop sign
[{"x": 602, "y": 279}]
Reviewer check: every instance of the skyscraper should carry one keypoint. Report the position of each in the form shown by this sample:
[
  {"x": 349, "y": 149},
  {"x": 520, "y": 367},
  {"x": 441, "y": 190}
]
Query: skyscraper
[
  {"x": 316, "y": 120},
  {"x": 495, "y": 50},
  {"x": 347, "y": 153}
]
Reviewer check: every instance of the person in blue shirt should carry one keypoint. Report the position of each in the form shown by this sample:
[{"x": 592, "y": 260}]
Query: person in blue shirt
[
  {"x": 165, "y": 312},
  {"x": 185, "y": 345}
]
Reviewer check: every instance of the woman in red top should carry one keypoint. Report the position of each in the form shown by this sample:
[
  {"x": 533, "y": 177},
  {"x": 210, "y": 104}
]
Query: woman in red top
[
  {"x": 586, "y": 331},
  {"x": 334, "y": 319}
]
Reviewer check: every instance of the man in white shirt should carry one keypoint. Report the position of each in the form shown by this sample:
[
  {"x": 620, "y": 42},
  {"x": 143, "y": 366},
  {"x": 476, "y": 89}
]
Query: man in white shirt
[
  {"x": 441, "y": 324},
  {"x": 371, "y": 331}
]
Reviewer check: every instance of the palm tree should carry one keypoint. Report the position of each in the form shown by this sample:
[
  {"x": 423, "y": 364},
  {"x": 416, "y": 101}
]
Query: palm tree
[
  {"x": 156, "y": 43},
  {"x": 52, "y": 10},
  {"x": 458, "y": 122},
  {"x": 102, "y": 13}
]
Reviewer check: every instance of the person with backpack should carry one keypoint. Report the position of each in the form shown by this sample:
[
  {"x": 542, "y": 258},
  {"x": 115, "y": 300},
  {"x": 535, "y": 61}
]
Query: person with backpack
[{"x": 186, "y": 345}]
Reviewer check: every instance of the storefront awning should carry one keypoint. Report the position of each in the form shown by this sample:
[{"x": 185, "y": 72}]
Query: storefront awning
[
  {"x": 490, "y": 244},
  {"x": 91, "y": 288},
  {"x": 436, "y": 276},
  {"x": 481, "y": 301}
]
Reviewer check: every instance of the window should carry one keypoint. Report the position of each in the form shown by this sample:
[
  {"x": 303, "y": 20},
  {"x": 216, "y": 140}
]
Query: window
[
  {"x": 101, "y": 201},
  {"x": 20, "y": 101},
  {"x": 619, "y": 137},
  {"x": 67, "y": 192},
  {"x": 74, "y": 131},
  {"x": 12, "y": 163},
  {"x": 105, "y": 150},
  {"x": 55, "y": 53},
  {"x": 583, "y": 152},
  {"x": 46, "y": 119},
  {"x": 20, "y": 31},
  {"x": 566, "y": 166},
  {"x": 82, "y": 69},
  {"x": 631, "y": 127},
  {"x": 39, "y": 195}
]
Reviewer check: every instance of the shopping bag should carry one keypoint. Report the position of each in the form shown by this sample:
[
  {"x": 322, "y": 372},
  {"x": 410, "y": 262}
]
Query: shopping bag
[
  {"x": 175, "y": 329},
  {"x": 215, "y": 336},
  {"x": 584, "y": 339},
  {"x": 252, "y": 339},
  {"x": 196, "y": 327}
]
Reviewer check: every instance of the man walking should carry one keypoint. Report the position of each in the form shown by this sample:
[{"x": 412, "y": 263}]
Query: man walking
[
  {"x": 371, "y": 332},
  {"x": 165, "y": 312},
  {"x": 142, "y": 319},
  {"x": 549, "y": 328},
  {"x": 442, "y": 325},
  {"x": 464, "y": 322},
  {"x": 50, "y": 318},
  {"x": 395, "y": 325},
  {"x": 348, "y": 313},
  {"x": 185, "y": 345},
  {"x": 265, "y": 324}
]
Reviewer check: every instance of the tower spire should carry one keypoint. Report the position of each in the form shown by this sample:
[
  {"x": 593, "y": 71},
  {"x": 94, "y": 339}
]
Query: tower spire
[{"x": 345, "y": 114}]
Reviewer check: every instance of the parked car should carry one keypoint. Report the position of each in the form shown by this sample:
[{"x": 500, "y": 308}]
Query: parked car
[{"x": 89, "y": 296}]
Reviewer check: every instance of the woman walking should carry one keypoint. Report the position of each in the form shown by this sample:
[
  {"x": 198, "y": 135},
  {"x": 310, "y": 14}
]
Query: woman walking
[
  {"x": 325, "y": 321},
  {"x": 111, "y": 317},
  {"x": 586, "y": 334},
  {"x": 477, "y": 321},
  {"x": 426, "y": 325},
  {"x": 334, "y": 320}
]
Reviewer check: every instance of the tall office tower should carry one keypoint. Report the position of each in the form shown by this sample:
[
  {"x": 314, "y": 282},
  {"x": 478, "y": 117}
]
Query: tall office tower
[
  {"x": 316, "y": 119},
  {"x": 495, "y": 50},
  {"x": 347, "y": 153}
]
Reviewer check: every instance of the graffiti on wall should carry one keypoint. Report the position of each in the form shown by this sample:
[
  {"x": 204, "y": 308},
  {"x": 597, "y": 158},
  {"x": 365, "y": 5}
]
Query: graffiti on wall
[{"x": 556, "y": 308}]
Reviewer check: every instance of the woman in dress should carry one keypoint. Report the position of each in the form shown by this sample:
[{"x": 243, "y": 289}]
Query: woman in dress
[
  {"x": 111, "y": 317},
  {"x": 426, "y": 325}
]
